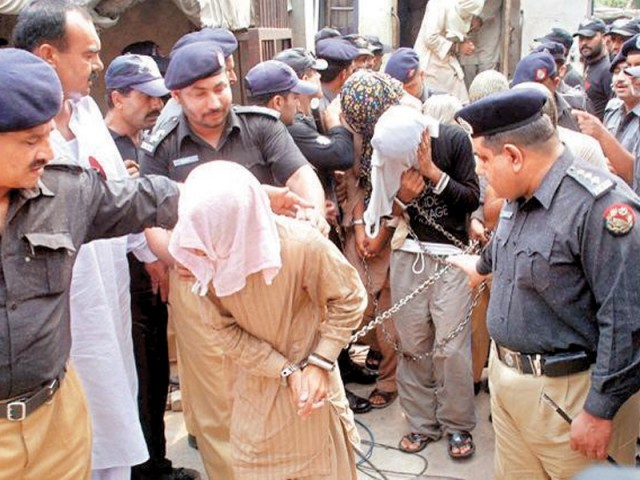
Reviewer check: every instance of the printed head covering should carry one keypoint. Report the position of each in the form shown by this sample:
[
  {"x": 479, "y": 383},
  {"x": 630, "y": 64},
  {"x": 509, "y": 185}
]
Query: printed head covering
[
  {"x": 225, "y": 213},
  {"x": 395, "y": 144},
  {"x": 364, "y": 97}
]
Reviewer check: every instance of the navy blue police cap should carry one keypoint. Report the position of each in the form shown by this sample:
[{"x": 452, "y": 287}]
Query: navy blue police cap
[
  {"x": 535, "y": 67},
  {"x": 554, "y": 48},
  {"x": 590, "y": 27},
  {"x": 337, "y": 50},
  {"x": 273, "y": 76},
  {"x": 193, "y": 62},
  {"x": 623, "y": 27},
  {"x": 326, "y": 32},
  {"x": 377, "y": 47},
  {"x": 139, "y": 72},
  {"x": 31, "y": 90},
  {"x": 501, "y": 112},
  {"x": 403, "y": 64},
  {"x": 222, "y": 37},
  {"x": 617, "y": 60},
  {"x": 301, "y": 60},
  {"x": 630, "y": 46},
  {"x": 559, "y": 35}
]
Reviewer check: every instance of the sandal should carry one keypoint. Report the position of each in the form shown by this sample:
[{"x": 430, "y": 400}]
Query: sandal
[
  {"x": 374, "y": 357},
  {"x": 386, "y": 397},
  {"x": 459, "y": 441},
  {"x": 420, "y": 440}
]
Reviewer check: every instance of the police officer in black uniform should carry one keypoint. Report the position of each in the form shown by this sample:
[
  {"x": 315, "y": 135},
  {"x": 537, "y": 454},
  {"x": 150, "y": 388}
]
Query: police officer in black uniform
[{"x": 565, "y": 304}]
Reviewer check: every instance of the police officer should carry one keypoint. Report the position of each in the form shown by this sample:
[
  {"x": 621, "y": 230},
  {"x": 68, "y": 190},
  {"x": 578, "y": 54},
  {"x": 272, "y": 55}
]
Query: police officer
[
  {"x": 339, "y": 55},
  {"x": 404, "y": 66},
  {"x": 597, "y": 82},
  {"x": 540, "y": 67},
  {"x": 559, "y": 35},
  {"x": 557, "y": 51},
  {"x": 210, "y": 128},
  {"x": 47, "y": 213},
  {"x": 565, "y": 307}
]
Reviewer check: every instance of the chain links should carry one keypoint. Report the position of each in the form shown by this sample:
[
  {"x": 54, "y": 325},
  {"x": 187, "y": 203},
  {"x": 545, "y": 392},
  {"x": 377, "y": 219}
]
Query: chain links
[{"x": 387, "y": 314}]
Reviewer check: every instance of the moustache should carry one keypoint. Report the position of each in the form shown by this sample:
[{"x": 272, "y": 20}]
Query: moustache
[
  {"x": 38, "y": 163},
  {"x": 152, "y": 115},
  {"x": 93, "y": 78}
]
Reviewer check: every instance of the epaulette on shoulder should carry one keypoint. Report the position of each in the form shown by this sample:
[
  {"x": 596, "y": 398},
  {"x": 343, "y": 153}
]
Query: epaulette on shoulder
[
  {"x": 159, "y": 133},
  {"x": 243, "y": 110},
  {"x": 597, "y": 185}
]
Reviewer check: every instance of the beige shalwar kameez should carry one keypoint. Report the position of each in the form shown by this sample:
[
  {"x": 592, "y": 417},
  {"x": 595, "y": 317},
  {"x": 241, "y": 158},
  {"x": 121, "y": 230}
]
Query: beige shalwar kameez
[{"x": 313, "y": 304}]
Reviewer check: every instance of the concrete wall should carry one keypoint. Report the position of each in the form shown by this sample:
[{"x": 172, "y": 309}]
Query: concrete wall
[
  {"x": 538, "y": 16},
  {"x": 379, "y": 17}
]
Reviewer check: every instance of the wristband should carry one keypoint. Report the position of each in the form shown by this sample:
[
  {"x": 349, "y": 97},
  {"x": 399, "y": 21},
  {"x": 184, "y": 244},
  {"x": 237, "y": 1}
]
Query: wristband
[
  {"x": 359, "y": 221},
  {"x": 400, "y": 203},
  {"x": 320, "y": 362}
]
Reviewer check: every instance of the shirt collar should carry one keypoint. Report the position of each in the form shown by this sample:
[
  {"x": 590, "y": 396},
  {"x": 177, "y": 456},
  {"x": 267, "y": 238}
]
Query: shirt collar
[
  {"x": 232, "y": 122},
  {"x": 39, "y": 189},
  {"x": 552, "y": 180}
]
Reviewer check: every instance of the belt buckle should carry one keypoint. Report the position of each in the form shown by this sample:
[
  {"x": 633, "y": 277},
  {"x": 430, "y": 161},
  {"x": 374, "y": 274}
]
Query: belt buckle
[
  {"x": 536, "y": 365},
  {"x": 16, "y": 411}
]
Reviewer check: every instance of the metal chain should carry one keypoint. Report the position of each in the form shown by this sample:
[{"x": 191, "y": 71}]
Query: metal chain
[{"x": 380, "y": 318}]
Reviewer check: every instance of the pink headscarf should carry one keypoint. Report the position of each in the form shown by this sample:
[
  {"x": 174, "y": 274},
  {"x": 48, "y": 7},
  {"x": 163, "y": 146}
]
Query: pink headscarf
[{"x": 225, "y": 213}]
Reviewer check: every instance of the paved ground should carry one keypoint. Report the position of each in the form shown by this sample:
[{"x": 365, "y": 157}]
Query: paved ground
[{"x": 386, "y": 427}]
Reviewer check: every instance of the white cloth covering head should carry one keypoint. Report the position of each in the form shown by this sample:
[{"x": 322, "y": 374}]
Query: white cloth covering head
[
  {"x": 225, "y": 214},
  {"x": 395, "y": 142},
  {"x": 459, "y": 21}
]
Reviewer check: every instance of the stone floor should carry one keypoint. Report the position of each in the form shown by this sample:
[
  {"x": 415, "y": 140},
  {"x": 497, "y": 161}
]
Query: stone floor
[{"x": 385, "y": 427}]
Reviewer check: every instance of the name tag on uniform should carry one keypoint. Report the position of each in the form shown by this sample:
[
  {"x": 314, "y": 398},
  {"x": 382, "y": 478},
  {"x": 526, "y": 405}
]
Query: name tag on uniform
[{"x": 179, "y": 162}]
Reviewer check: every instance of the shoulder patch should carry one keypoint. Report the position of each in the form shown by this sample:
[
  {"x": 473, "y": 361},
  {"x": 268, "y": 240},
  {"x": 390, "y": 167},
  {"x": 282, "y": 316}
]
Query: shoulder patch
[
  {"x": 619, "y": 219},
  {"x": 595, "y": 184},
  {"x": 159, "y": 133},
  {"x": 242, "y": 110}
]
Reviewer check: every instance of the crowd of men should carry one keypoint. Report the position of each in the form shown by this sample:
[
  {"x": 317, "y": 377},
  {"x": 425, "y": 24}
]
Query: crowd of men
[{"x": 274, "y": 235}]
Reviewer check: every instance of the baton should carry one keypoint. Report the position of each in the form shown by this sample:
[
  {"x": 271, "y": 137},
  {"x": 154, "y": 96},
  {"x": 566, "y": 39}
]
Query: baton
[{"x": 565, "y": 416}]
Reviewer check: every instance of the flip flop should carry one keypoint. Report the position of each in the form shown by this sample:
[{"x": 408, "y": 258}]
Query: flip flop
[
  {"x": 420, "y": 439},
  {"x": 459, "y": 440}
]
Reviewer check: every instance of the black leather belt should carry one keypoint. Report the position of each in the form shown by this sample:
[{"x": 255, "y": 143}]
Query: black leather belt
[
  {"x": 18, "y": 408},
  {"x": 557, "y": 365}
]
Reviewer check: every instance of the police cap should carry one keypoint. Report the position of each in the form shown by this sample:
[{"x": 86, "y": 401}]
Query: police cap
[
  {"x": 274, "y": 76},
  {"x": 377, "y": 47},
  {"x": 31, "y": 91},
  {"x": 403, "y": 64},
  {"x": 501, "y": 112},
  {"x": 590, "y": 27},
  {"x": 301, "y": 60},
  {"x": 326, "y": 32},
  {"x": 222, "y": 37},
  {"x": 633, "y": 71},
  {"x": 630, "y": 46},
  {"x": 554, "y": 48},
  {"x": 139, "y": 72},
  {"x": 193, "y": 62},
  {"x": 535, "y": 67},
  {"x": 559, "y": 35},
  {"x": 336, "y": 49},
  {"x": 623, "y": 27}
]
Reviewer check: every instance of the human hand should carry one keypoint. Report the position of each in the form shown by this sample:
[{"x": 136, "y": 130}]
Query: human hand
[
  {"x": 466, "y": 47},
  {"x": 467, "y": 263},
  {"x": 331, "y": 212},
  {"x": 591, "y": 435},
  {"x": 159, "y": 274},
  {"x": 331, "y": 115},
  {"x": 589, "y": 124},
  {"x": 477, "y": 231},
  {"x": 315, "y": 218},
  {"x": 309, "y": 389},
  {"x": 341, "y": 186},
  {"x": 411, "y": 185},
  {"x": 428, "y": 169},
  {"x": 184, "y": 273},
  {"x": 133, "y": 170},
  {"x": 284, "y": 201}
]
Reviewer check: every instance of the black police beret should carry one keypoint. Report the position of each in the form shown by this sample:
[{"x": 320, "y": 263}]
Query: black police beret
[
  {"x": 193, "y": 62},
  {"x": 630, "y": 46},
  {"x": 223, "y": 38},
  {"x": 501, "y": 112},
  {"x": 31, "y": 91}
]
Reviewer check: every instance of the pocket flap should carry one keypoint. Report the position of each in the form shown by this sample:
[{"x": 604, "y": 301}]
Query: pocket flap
[{"x": 52, "y": 241}]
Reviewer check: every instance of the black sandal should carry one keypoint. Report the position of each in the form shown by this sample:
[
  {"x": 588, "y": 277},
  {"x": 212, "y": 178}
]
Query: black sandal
[
  {"x": 459, "y": 440},
  {"x": 419, "y": 439},
  {"x": 372, "y": 362},
  {"x": 387, "y": 397}
]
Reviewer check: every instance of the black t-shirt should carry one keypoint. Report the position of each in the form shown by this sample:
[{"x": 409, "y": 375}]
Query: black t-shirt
[{"x": 597, "y": 84}]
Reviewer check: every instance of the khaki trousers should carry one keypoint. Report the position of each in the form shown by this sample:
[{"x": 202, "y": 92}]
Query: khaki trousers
[
  {"x": 532, "y": 440},
  {"x": 204, "y": 378},
  {"x": 54, "y": 442},
  {"x": 375, "y": 278},
  {"x": 480, "y": 339},
  {"x": 436, "y": 393}
]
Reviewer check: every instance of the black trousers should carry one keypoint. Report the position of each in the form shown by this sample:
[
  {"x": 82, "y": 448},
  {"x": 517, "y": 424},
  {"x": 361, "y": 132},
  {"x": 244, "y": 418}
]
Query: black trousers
[{"x": 149, "y": 330}]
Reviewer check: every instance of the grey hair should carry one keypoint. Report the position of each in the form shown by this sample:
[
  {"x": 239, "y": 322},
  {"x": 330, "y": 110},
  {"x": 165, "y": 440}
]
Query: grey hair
[
  {"x": 550, "y": 107},
  {"x": 442, "y": 107}
]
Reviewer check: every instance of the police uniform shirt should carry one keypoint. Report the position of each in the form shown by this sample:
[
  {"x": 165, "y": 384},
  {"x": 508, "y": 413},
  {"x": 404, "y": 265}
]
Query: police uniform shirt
[
  {"x": 626, "y": 128},
  {"x": 597, "y": 84},
  {"x": 566, "y": 270},
  {"x": 126, "y": 147},
  {"x": 253, "y": 137},
  {"x": 44, "y": 230},
  {"x": 453, "y": 154},
  {"x": 574, "y": 100},
  {"x": 572, "y": 78}
]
